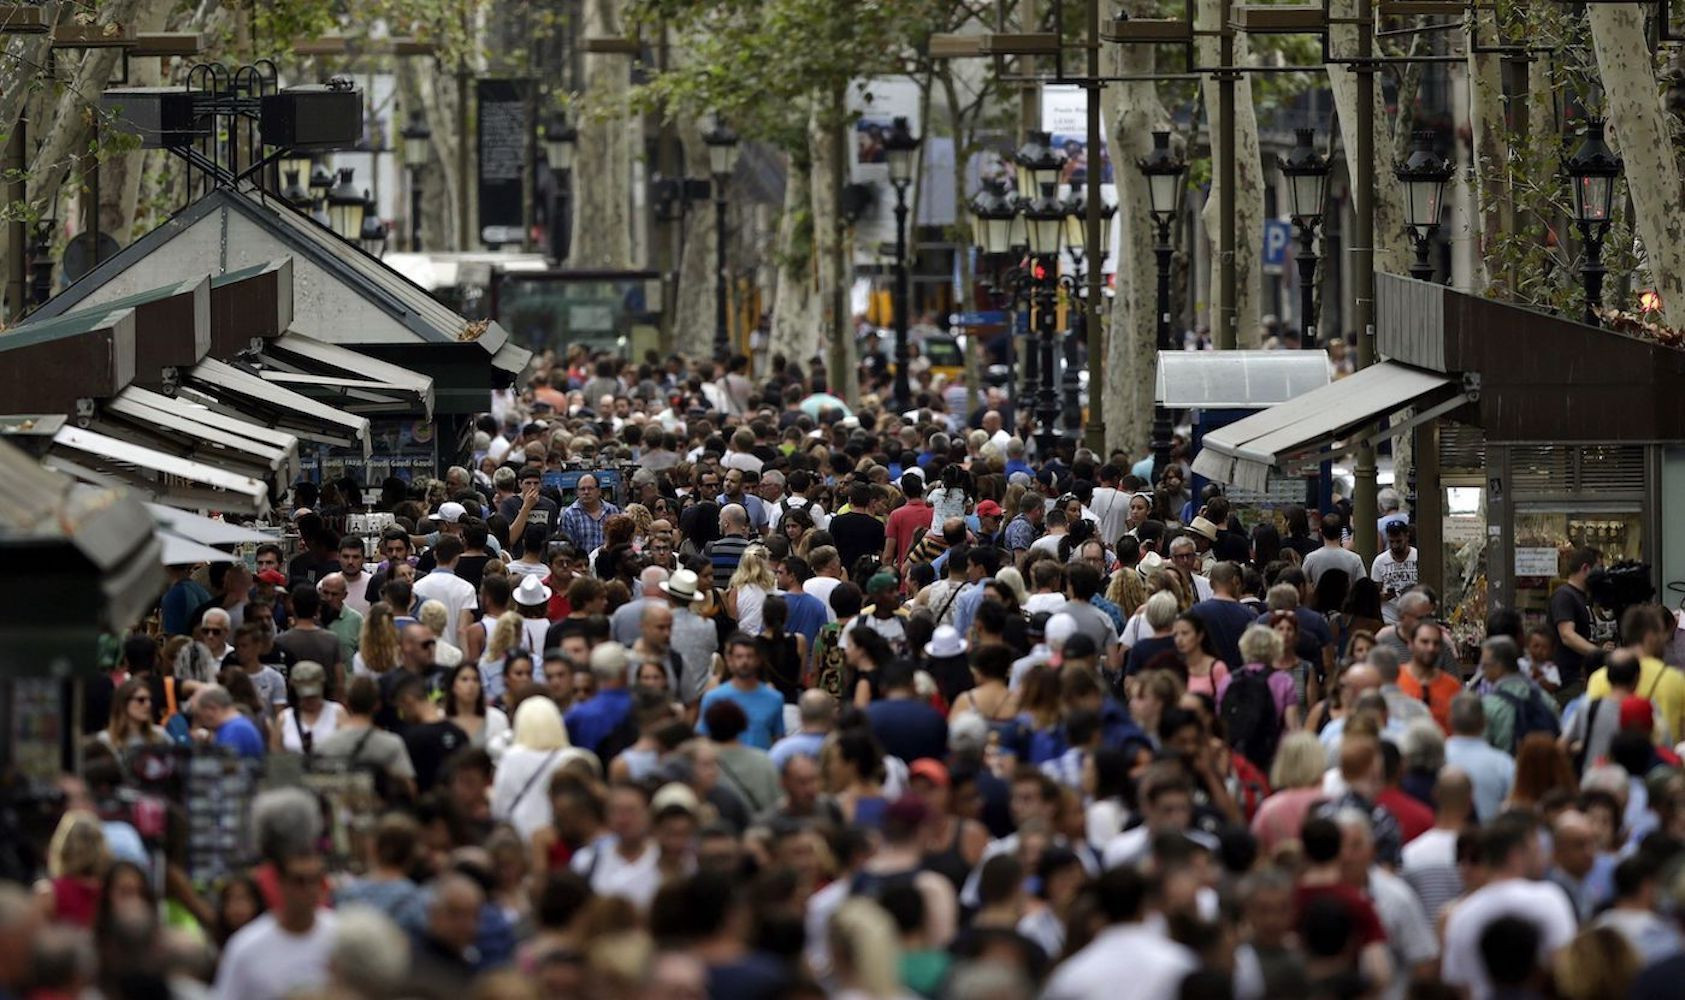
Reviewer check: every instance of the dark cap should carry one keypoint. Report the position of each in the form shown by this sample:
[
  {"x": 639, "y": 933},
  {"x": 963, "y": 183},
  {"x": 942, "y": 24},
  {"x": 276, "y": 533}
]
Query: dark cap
[
  {"x": 1398, "y": 526},
  {"x": 1081, "y": 645},
  {"x": 1038, "y": 623}
]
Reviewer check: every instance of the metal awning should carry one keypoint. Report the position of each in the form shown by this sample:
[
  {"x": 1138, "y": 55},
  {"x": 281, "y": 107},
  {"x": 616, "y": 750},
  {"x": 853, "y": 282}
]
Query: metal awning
[
  {"x": 179, "y": 551},
  {"x": 1238, "y": 380},
  {"x": 239, "y": 393},
  {"x": 106, "y": 461},
  {"x": 1326, "y": 423},
  {"x": 511, "y": 359},
  {"x": 353, "y": 381},
  {"x": 186, "y": 429},
  {"x": 201, "y": 529}
]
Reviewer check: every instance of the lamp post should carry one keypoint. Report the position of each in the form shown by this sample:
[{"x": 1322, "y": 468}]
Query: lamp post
[
  {"x": 901, "y": 151},
  {"x": 994, "y": 219},
  {"x": 1592, "y": 171},
  {"x": 416, "y": 137},
  {"x": 346, "y": 207},
  {"x": 1076, "y": 242},
  {"x": 1164, "y": 170},
  {"x": 295, "y": 192},
  {"x": 372, "y": 236},
  {"x": 722, "y": 160},
  {"x": 1306, "y": 171},
  {"x": 1038, "y": 165},
  {"x": 41, "y": 262},
  {"x": 1423, "y": 175},
  {"x": 561, "y": 142},
  {"x": 321, "y": 181}
]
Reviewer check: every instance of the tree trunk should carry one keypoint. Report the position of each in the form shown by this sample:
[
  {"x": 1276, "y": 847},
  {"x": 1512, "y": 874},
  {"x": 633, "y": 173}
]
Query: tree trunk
[
  {"x": 433, "y": 89},
  {"x": 1248, "y": 200},
  {"x": 602, "y": 215},
  {"x": 1494, "y": 206},
  {"x": 121, "y": 176},
  {"x": 795, "y": 315},
  {"x": 1132, "y": 111},
  {"x": 693, "y": 324},
  {"x": 1640, "y": 133},
  {"x": 830, "y": 153},
  {"x": 1392, "y": 249}
]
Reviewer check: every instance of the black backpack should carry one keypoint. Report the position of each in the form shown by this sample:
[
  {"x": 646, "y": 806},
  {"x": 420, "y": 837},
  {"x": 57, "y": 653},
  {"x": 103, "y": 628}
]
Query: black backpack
[{"x": 1250, "y": 717}]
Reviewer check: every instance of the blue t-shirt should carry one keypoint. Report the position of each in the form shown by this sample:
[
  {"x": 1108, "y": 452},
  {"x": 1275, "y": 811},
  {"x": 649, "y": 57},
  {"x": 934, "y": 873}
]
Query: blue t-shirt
[
  {"x": 807, "y": 615},
  {"x": 240, "y": 735},
  {"x": 595, "y": 719},
  {"x": 764, "y": 706},
  {"x": 176, "y": 609}
]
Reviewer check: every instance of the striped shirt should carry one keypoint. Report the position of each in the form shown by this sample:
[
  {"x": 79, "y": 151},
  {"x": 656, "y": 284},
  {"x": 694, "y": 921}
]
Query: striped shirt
[
  {"x": 725, "y": 553},
  {"x": 583, "y": 530}
]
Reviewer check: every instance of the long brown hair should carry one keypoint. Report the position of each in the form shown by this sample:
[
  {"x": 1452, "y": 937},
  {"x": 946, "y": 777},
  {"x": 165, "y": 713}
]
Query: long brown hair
[
  {"x": 1541, "y": 765},
  {"x": 119, "y": 727}
]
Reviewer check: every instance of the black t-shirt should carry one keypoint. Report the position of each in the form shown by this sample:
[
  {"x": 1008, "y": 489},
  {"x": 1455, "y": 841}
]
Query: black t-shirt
[
  {"x": 1568, "y": 604},
  {"x": 856, "y": 535},
  {"x": 430, "y": 744},
  {"x": 305, "y": 569},
  {"x": 1224, "y": 622},
  {"x": 543, "y": 512},
  {"x": 908, "y": 728},
  {"x": 1144, "y": 650},
  {"x": 473, "y": 569}
]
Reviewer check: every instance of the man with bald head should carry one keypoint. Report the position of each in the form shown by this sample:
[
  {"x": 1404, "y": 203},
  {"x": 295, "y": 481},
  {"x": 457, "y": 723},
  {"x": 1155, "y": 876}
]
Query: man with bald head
[
  {"x": 1584, "y": 873},
  {"x": 1413, "y": 607},
  {"x": 338, "y": 616},
  {"x": 627, "y": 621},
  {"x": 654, "y": 643},
  {"x": 726, "y": 551},
  {"x": 1430, "y": 861},
  {"x": 1358, "y": 680},
  {"x": 817, "y": 715},
  {"x": 443, "y": 959}
]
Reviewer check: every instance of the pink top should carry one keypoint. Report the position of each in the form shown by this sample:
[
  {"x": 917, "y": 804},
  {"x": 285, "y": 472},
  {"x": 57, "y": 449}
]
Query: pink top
[
  {"x": 1282, "y": 816},
  {"x": 1213, "y": 683}
]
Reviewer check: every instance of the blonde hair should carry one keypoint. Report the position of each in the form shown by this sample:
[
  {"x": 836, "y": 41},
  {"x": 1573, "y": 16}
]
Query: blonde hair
[
  {"x": 1598, "y": 962},
  {"x": 1299, "y": 762},
  {"x": 435, "y": 616},
  {"x": 378, "y": 641},
  {"x": 641, "y": 519},
  {"x": 866, "y": 949},
  {"x": 538, "y": 725},
  {"x": 1260, "y": 644},
  {"x": 1127, "y": 592},
  {"x": 755, "y": 570},
  {"x": 505, "y": 635},
  {"x": 78, "y": 848}
]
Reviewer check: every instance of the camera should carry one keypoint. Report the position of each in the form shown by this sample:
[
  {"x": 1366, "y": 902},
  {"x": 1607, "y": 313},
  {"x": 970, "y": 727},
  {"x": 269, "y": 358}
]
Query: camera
[{"x": 1621, "y": 585}]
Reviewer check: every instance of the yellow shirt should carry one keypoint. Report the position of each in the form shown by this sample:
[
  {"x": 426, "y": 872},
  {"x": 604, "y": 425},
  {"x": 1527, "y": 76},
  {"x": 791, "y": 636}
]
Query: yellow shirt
[{"x": 1664, "y": 686}]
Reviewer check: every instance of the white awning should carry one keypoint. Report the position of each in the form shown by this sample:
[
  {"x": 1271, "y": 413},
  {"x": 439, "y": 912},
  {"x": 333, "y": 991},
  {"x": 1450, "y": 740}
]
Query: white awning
[
  {"x": 1243, "y": 380},
  {"x": 179, "y": 551},
  {"x": 239, "y": 393},
  {"x": 354, "y": 381},
  {"x": 191, "y": 430},
  {"x": 169, "y": 479},
  {"x": 201, "y": 529},
  {"x": 1324, "y": 423}
]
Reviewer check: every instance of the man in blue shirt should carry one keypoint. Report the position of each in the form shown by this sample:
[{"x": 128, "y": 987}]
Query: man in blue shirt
[
  {"x": 597, "y": 718},
  {"x": 806, "y": 614},
  {"x": 818, "y": 713},
  {"x": 761, "y": 702},
  {"x": 184, "y": 595},
  {"x": 221, "y": 723}
]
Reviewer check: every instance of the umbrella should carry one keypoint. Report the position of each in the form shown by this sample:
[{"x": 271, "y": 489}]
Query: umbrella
[
  {"x": 819, "y": 402},
  {"x": 204, "y": 530},
  {"x": 179, "y": 551}
]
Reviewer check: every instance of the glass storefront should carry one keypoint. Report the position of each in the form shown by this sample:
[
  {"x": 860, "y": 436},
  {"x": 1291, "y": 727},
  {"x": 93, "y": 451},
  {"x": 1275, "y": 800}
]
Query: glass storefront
[{"x": 1544, "y": 535}]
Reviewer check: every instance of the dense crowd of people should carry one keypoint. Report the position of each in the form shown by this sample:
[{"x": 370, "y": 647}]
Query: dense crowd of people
[{"x": 693, "y": 684}]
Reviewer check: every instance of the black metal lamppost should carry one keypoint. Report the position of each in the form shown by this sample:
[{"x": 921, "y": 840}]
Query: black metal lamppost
[
  {"x": 722, "y": 160},
  {"x": 1039, "y": 164},
  {"x": 1076, "y": 290},
  {"x": 561, "y": 144},
  {"x": 1423, "y": 176},
  {"x": 994, "y": 221},
  {"x": 1165, "y": 171},
  {"x": 416, "y": 136},
  {"x": 1306, "y": 171},
  {"x": 901, "y": 151},
  {"x": 1592, "y": 170},
  {"x": 372, "y": 235},
  {"x": 346, "y": 207},
  {"x": 320, "y": 183}
]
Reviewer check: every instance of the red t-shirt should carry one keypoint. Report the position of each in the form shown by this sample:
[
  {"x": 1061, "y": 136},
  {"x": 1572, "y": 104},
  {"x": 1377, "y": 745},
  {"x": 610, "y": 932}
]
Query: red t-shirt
[
  {"x": 1414, "y": 819},
  {"x": 904, "y": 521},
  {"x": 1365, "y": 924}
]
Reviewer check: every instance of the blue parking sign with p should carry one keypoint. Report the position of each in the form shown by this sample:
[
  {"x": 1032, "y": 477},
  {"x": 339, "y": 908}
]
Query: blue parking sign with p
[{"x": 1278, "y": 235}]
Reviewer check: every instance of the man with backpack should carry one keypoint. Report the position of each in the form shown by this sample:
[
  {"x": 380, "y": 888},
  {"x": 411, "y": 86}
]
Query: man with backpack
[{"x": 1515, "y": 706}]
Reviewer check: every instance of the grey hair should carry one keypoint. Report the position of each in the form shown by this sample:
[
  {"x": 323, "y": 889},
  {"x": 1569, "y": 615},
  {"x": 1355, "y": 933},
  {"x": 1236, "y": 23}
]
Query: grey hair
[
  {"x": 1385, "y": 661},
  {"x": 979, "y": 980},
  {"x": 1282, "y": 597},
  {"x": 1161, "y": 610},
  {"x": 734, "y": 513},
  {"x": 1505, "y": 651},
  {"x": 1468, "y": 715},
  {"x": 369, "y": 953},
  {"x": 1259, "y": 644},
  {"x": 1357, "y": 819},
  {"x": 1611, "y": 778},
  {"x": 968, "y": 732},
  {"x": 286, "y": 822},
  {"x": 503, "y": 478},
  {"x": 1183, "y": 543},
  {"x": 1422, "y": 746},
  {"x": 213, "y": 696}
]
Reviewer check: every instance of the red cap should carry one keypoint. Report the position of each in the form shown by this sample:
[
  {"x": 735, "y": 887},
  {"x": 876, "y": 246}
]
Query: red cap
[
  {"x": 988, "y": 508},
  {"x": 1638, "y": 714},
  {"x": 273, "y": 576},
  {"x": 930, "y": 769}
]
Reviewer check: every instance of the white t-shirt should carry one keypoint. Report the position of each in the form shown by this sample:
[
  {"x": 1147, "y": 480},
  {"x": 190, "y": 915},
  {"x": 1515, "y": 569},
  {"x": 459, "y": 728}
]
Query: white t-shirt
[
  {"x": 821, "y": 587},
  {"x": 1050, "y": 603},
  {"x": 612, "y": 875},
  {"x": 1542, "y": 903},
  {"x": 455, "y": 593},
  {"x": 1395, "y": 576},
  {"x": 264, "y": 962},
  {"x": 327, "y": 720},
  {"x": 1111, "y": 510}
]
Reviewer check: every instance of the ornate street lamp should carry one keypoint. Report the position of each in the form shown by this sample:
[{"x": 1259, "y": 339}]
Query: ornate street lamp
[
  {"x": 722, "y": 160},
  {"x": 295, "y": 192},
  {"x": 1164, "y": 170},
  {"x": 1593, "y": 170},
  {"x": 1306, "y": 171},
  {"x": 901, "y": 150},
  {"x": 561, "y": 145},
  {"x": 372, "y": 236},
  {"x": 1076, "y": 287},
  {"x": 346, "y": 207},
  {"x": 417, "y": 139},
  {"x": 994, "y": 219},
  {"x": 1423, "y": 178}
]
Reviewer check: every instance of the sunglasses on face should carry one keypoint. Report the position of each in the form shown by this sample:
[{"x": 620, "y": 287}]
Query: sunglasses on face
[
  {"x": 212, "y": 630},
  {"x": 141, "y": 699}
]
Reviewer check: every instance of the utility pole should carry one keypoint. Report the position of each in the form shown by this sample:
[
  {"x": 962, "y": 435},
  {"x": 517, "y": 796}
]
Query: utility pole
[
  {"x": 1095, "y": 432},
  {"x": 1363, "y": 266},
  {"x": 1224, "y": 334}
]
